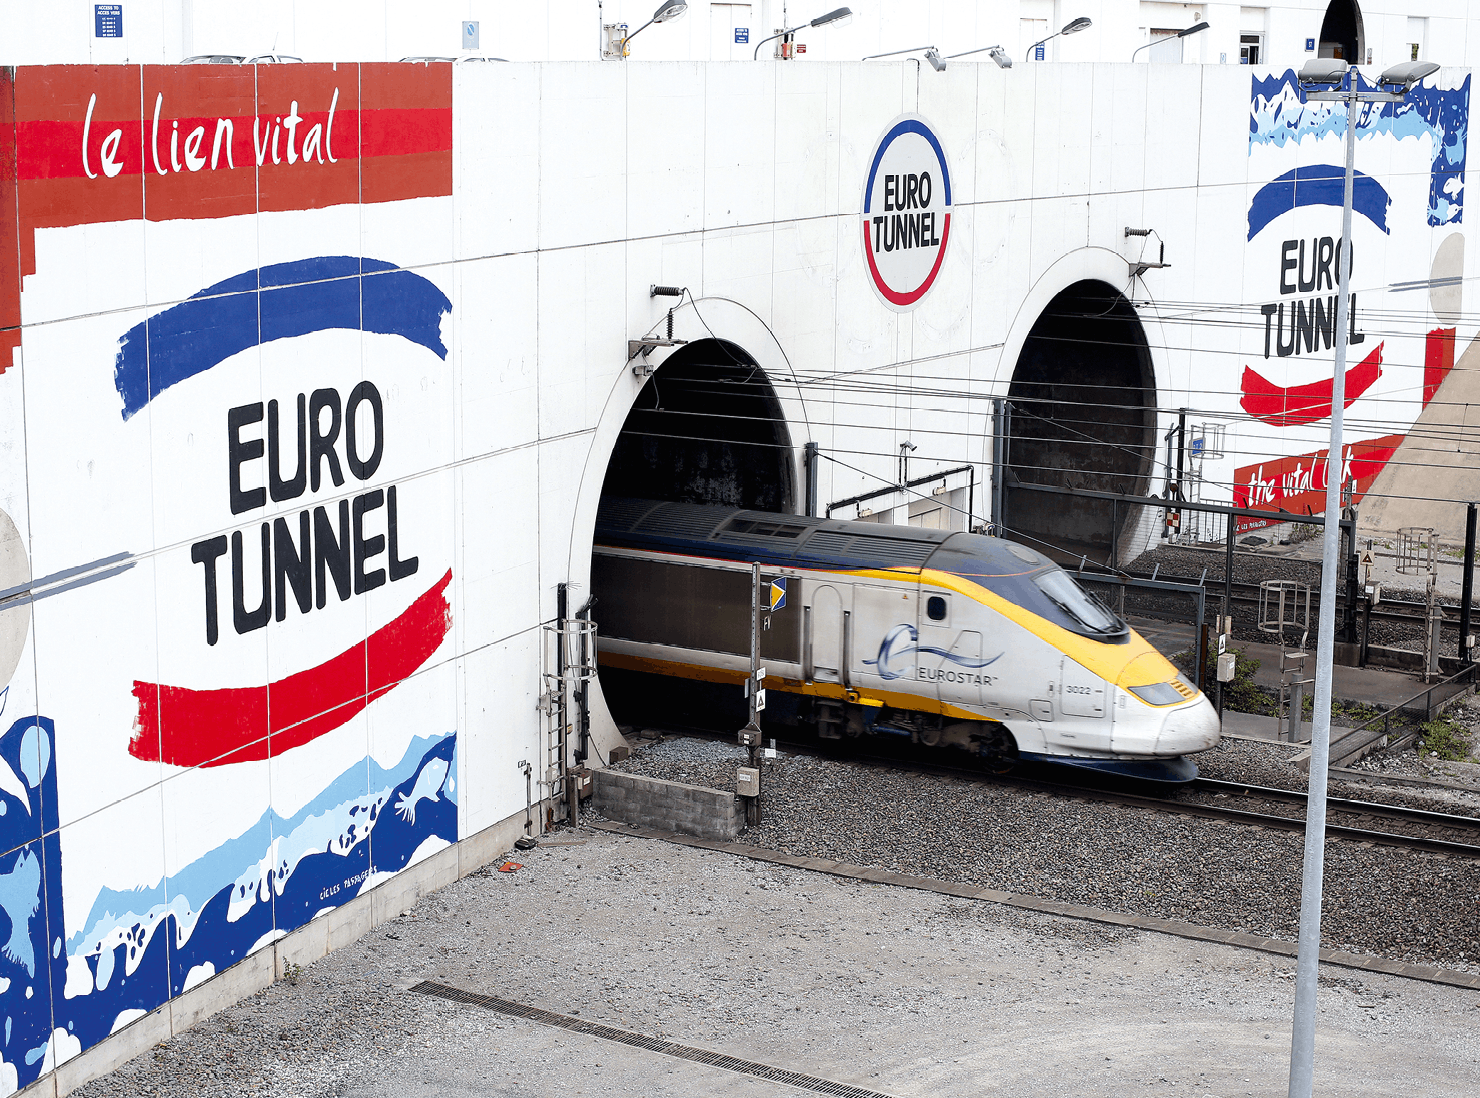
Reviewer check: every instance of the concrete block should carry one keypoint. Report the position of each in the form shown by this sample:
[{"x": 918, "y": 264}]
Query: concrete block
[
  {"x": 247, "y": 977},
  {"x": 349, "y": 922},
  {"x": 403, "y": 890},
  {"x": 301, "y": 948},
  {"x": 138, "y": 1036},
  {"x": 490, "y": 844},
  {"x": 45, "y": 1087}
]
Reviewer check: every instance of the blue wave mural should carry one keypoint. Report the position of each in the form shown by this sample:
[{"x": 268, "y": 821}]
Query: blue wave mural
[
  {"x": 139, "y": 948},
  {"x": 1279, "y": 114}
]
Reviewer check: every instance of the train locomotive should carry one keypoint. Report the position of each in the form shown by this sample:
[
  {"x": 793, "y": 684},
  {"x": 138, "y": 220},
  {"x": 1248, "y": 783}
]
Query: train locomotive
[{"x": 948, "y": 638}]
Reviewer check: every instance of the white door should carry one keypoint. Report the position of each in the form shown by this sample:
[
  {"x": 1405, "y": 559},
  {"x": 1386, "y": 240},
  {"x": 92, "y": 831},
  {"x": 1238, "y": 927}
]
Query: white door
[
  {"x": 1082, "y": 704},
  {"x": 825, "y": 623},
  {"x": 733, "y": 36},
  {"x": 883, "y": 646}
]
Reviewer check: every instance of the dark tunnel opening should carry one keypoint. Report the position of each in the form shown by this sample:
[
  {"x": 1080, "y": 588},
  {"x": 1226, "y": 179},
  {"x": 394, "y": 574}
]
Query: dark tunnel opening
[
  {"x": 706, "y": 428},
  {"x": 1083, "y": 415}
]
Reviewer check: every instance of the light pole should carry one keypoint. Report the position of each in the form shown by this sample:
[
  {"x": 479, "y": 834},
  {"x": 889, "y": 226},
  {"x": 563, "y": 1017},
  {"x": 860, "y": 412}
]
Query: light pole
[
  {"x": 1074, "y": 26},
  {"x": 667, "y": 11},
  {"x": 1331, "y": 80},
  {"x": 840, "y": 16},
  {"x": 1196, "y": 28}
]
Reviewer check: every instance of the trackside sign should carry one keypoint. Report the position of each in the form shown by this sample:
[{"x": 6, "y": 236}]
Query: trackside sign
[{"x": 906, "y": 212}]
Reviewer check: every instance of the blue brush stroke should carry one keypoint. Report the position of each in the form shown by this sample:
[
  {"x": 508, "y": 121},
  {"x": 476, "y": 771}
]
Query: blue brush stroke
[
  {"x": 1318, "y": 185},
  {"x": 275, "y": 302},
  {"x": 1280, "y": 114},
  {"x": 908, "y": 634}
]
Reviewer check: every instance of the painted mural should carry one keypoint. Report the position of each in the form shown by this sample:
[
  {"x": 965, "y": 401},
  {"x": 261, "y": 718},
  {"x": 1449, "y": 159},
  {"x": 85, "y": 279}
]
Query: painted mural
[
  {"x": 246, "y": 394},
  {"x": 1408, "y": 202}
]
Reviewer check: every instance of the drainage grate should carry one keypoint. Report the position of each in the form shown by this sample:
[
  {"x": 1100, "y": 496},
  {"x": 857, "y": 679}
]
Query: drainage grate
[{"x": 652, "y": 1044}]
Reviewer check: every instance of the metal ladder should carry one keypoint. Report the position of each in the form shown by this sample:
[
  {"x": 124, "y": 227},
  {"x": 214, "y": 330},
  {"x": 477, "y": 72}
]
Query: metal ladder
[{"x": 570, "y": 647}]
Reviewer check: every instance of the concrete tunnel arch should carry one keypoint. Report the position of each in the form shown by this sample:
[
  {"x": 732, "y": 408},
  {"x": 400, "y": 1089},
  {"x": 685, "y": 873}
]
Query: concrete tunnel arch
[
  {"x": 713, "y": 423},
  {"x": 1083, "y": 415}
]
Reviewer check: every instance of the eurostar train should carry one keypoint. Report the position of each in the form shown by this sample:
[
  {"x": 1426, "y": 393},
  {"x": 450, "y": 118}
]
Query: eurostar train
[{"x": 947, "y": 638}]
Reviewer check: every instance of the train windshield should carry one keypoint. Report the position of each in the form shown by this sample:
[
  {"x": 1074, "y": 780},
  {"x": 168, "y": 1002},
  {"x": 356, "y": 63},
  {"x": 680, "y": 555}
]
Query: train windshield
[
  {"x": 1073, "y": 600},
  {"x": 1032, "y": 581}
]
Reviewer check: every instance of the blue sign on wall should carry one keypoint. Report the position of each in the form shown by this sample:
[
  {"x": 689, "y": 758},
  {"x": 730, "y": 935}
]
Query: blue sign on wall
[
  {"x": 107, "y": 20},
  {"x": 1310, "y": 45},
  {"x": 742, "y": 36},
  {"x": 1038, "y": 52}
]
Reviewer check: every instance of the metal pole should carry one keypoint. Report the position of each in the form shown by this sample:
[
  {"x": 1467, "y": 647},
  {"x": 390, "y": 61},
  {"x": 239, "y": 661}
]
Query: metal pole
[
  {"x": 562, "y": 711},
  {"x": 753, "y": 729},
  {"x": 1303, "y": 1032},
  {"x": 1467, "y": 590},
  {"x": 809, "y": 457}
]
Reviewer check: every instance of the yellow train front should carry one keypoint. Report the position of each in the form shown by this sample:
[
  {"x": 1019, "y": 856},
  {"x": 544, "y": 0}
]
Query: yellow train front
[{"x": 946, "y": 638}]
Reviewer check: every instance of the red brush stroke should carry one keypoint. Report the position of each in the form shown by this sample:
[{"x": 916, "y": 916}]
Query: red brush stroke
[
  {"x": 1301, "y": 404},
  {"x": 1438, "y": 360},
  {"x": 185, "y": 727}
]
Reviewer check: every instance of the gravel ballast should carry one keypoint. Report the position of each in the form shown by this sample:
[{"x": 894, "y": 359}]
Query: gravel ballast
[
  {"x": 1412, "y": 906},
  {"x": 903, "y": 992}
]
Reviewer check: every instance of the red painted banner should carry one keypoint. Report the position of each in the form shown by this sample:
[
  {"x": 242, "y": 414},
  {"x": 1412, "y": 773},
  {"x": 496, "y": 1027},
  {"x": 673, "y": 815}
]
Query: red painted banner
[
  {"x": 1297, "y": 485},
  {"x": 88, "y": 144},
  {"x": 185, "y": 727},
  {"x": 1280, "y": 407}
]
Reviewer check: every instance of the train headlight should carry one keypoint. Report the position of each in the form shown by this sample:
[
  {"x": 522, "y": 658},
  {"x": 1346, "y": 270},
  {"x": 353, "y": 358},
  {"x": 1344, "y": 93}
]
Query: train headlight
[{"x": 1158, "y": 693}]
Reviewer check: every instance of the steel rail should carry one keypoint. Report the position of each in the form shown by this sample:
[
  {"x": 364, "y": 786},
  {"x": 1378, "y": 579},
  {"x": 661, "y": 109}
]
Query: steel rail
[{"x": 1165, "y": 804}]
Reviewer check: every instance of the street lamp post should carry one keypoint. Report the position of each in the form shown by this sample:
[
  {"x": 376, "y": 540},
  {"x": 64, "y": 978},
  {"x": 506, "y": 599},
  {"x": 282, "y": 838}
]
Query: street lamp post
[
  {"x": 839, "y": 16},
  {"x": 1196, "y": 28},
  {"x": 668, "y": 11},
  {"x": 1074, "y": 26},
  {"x": 1330, "y": 80}
]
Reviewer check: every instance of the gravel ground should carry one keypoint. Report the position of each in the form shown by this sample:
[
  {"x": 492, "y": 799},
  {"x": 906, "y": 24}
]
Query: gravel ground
[
  {"x": 908, "y": 993},
  {"x": 1413, "y": 906}
]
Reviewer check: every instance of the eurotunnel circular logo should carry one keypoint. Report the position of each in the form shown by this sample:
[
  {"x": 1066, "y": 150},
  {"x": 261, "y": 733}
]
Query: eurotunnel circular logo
[{"x": 906, "y": 212}]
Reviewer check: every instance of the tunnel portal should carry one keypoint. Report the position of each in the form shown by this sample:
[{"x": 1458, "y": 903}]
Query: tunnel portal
[
  {"x": 706, "y": 428},
  {"x": 1083, "y": 415}
]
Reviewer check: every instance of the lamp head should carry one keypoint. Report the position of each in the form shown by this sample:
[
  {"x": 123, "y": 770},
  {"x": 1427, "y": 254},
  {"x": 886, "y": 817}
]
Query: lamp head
[
  {"x": 1408, "y": 73},
  {"x": 839, "y": 17},
  {"x": 1074, "y": 26},
  {"x": 937, "y": 62},
  {"x": 670, "y": 9},
  {"x": 1324, "y": 71},
  {"x": 999, "y": 55},
  {"x": 1196, "y": 28}
]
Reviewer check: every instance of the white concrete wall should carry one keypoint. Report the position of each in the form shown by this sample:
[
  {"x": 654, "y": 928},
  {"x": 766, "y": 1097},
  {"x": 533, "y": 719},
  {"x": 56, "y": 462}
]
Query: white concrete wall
[{"x": 571, "y": 188}]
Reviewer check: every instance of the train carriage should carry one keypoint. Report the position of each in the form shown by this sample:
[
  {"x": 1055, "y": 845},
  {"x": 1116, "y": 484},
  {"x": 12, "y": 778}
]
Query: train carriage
[{"x": 947, "y": 638}]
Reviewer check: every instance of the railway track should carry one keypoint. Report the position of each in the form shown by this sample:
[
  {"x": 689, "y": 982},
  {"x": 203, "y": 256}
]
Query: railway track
[
  {"x": 1358, "y": 821},
  {"x": 1391, "y": 611}
]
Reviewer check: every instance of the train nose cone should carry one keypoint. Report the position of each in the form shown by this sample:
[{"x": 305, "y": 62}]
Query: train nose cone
[{"x": 1192, "y": 728}]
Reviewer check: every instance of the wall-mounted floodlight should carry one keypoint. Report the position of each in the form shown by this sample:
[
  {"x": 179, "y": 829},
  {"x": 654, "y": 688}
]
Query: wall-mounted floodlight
[
  {"x": 667, "y": 11},
  {"x": 996, "y": 53},
  {"x": 1074, "y": 26},
  {"x": 838, "y": 17},
  {"x": 1196, "y": 28},
  {"x": 937, "y": 62}
]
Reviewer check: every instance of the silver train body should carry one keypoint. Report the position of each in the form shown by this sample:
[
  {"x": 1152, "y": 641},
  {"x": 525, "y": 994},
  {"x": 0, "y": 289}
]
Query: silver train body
[{"x": 947, "y": 638}]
